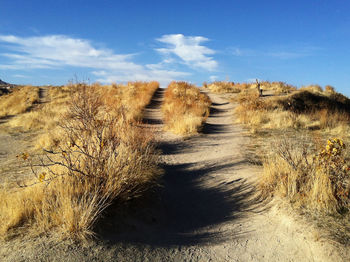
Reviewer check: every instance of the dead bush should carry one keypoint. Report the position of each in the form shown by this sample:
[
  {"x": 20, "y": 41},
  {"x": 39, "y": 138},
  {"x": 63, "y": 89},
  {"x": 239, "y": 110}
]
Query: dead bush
[
  {"x": 309, "y": 175},
  {"x": 102, "y": 158}
]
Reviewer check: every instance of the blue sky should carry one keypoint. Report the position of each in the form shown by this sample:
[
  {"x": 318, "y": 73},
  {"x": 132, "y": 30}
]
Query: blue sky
[{"x": 52, "y": 42}]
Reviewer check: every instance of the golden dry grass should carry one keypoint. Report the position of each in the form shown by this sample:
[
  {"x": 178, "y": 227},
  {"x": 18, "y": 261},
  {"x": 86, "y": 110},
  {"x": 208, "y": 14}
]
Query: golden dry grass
[
  {"x": 20, "y": 100},
  {"x": 278, "y": 87},
  {"x": 231, "y": 87},
  {"x": 132, "y": 97},
  {"x": 312, "y": 88},
  {"x": 45, "y": 116},
  {"x": 221, "y": 87},
  {"x": 102, "y": 155},
  {"x": 326, "y": 111},
  {"x": 185, "y": 108},
  {"x": 308, "y": 173},
  {"x": 304, "y": 170}
]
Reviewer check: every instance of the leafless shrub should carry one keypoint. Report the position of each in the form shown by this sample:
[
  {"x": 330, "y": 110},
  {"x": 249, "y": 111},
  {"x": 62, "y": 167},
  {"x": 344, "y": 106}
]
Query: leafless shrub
[
  {"x": 309, "y": 174},
  {"x": 101, "y": 159}
]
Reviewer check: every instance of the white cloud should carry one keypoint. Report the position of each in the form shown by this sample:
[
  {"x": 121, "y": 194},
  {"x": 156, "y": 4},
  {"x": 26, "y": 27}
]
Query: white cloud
[
  {"x": 189, "y": 50},
  {"x": 58, "y": 51},
  {"x": 213, "y": 78},
  {"x": 162, "y": 76}
]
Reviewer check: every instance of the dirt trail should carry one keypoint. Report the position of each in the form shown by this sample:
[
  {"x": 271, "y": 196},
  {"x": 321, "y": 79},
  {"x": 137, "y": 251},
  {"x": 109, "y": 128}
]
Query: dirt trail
[
  {"x": 207, "y": 209},
  {"x": 43, "y": 94},
  {"x": 13, "y": 143}
]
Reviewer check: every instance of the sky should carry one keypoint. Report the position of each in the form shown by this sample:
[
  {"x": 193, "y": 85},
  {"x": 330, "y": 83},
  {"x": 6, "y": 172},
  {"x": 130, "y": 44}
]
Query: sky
[{"x": 53, "y": 42}]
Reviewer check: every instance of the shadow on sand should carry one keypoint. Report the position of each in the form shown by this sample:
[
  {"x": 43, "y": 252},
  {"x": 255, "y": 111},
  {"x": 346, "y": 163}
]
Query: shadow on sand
[
  {"x": 4, "y": 119},
  {"x": 156, "y": 102},
  {"x": 186, "y": 210},
  {"x": 194, "y": 200},
  {"x": 215, "y": 129}
]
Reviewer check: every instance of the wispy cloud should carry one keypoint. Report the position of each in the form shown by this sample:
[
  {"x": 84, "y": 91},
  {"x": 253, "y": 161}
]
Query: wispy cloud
[
  {"x": 20, "y": 76},
  {"x": 189, "y": 50},
  {"x": 288, "y": 55},
  {"x": 237, "y": 51},
  {"x": 213, "y": 78},
  {"x": 58, "y": 51},
  {"x": 280, "y": 53}
]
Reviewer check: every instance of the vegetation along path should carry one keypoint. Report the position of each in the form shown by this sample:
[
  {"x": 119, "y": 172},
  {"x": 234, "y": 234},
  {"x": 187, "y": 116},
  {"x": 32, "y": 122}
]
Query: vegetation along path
[{"x": 207, "y": 209}]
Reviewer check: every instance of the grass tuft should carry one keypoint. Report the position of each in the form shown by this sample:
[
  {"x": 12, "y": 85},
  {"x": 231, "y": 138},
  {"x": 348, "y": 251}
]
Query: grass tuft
[{"x": 185, "y": 108}]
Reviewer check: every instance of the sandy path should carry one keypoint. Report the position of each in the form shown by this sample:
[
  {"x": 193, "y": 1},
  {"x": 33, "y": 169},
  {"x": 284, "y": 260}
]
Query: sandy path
[
  {"x": 13, "y": 143},
  {"x": 207, "y": 209}
]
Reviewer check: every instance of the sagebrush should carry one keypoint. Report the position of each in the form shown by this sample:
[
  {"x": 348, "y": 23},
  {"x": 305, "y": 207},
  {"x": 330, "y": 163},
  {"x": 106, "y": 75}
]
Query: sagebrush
[{"x": 102, "y": 156}]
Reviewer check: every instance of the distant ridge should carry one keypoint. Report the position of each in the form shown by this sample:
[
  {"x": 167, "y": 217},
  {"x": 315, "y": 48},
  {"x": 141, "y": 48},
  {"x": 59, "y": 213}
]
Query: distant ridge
[
  {"x": 3, "y": 83},
  {"x": 5, "y": 88}
]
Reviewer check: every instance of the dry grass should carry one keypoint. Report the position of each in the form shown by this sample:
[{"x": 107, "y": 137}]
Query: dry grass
[
  {"x": 309, "y": 174},
  {"x": 314, "y": 177},
  {"x": 329, "y": 89},
  {"x": 301, "y": 164},
  {"x": 132, "y": 97},
  {"x": 278, "y": 88},
  {"x": 312, "y": 88},
  {"x": 301, "y": 110},
  {"x": 248, "y": 88},
  {"x": 101, "y": 157},
  {"x": 185, "y": 108},
  {"x": 221, "y": 87},
  {"x": 20, "y": 100},
  {"x": 45, "y": 116}
]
